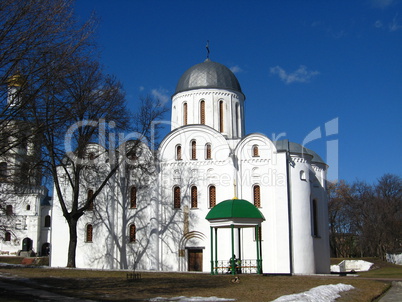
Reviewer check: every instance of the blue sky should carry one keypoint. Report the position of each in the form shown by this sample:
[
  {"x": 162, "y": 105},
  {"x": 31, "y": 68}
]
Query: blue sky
[{"x": 329, "y": 68}]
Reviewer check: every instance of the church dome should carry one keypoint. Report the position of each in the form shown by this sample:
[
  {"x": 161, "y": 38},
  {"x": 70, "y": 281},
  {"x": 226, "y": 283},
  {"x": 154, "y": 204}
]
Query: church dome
[{"x": 208, "y": 74}]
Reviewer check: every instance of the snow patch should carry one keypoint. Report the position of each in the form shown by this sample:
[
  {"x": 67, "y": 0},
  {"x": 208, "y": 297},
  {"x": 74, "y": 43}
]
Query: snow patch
[{"x": 322, "y": 293}]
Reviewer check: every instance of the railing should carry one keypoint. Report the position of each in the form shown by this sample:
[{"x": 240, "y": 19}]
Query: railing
[{"x": 244, "y": 266}]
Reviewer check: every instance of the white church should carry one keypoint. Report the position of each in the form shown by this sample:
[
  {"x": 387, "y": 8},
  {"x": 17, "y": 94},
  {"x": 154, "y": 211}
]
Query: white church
[{"x": 215, "y": 194}]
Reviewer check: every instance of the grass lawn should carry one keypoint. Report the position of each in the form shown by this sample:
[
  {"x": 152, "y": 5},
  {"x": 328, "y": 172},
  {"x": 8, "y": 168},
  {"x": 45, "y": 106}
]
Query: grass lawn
[{"x": 113, "y": 286}]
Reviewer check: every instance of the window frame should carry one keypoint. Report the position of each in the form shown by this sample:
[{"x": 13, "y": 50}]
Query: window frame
[
  {"x": 132, "y": 233},
  {"x": 133, "y": 197},
  {"x": 257, "y": 195},
  {"x": 89, "y": 233},
  {"x": 176, "y": 197},
  {"x": 211, "y": 196},
  {"x": 194, "y": 197}
]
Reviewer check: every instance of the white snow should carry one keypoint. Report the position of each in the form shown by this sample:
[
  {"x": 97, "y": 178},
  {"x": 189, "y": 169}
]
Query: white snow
[
  {"x": 322, "y": 293},
  {"x": 192, "y": 299}
]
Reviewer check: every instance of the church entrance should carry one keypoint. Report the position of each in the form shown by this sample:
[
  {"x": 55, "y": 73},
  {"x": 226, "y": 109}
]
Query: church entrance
[
  {"x": 26, "y": 244},
  {"x": 194, "y": 260}
]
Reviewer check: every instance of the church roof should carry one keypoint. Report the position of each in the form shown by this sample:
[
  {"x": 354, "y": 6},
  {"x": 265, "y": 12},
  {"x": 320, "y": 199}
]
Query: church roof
[
  {"x": 234, "y": 208},
  {"x": 208, "y": 74},
  {"x": 286, "y": 145}
]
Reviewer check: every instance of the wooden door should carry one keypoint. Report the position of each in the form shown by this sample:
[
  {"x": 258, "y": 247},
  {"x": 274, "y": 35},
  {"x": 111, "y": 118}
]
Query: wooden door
[{"x": 195, "y": 260}]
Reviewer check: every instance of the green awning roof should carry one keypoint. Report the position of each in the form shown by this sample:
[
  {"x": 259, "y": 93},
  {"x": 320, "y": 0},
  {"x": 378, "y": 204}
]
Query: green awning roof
[{"x": 234, "y": 208}]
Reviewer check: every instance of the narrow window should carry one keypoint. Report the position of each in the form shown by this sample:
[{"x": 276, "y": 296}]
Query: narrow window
[
  {"x": 9, "y": 210},
  {"x": 212, "y": 196},
  {"x": 47, "y": 221},
  {"x": 193, "y": 150},
  {"x": 208, "y": 151},
  {"x": 255, "y": 151},
  {"x": 315, "y": 218},
  {"x": 238, "y": 122},
  {"x": 133, "y": 197},
  {"x": 302, "y": 175},
  {"x": 7, "y": 236},
  {"x": 132, "y": 233},
  {"x": 256, "y": 196},
  {"x": 185, "y": 114},
  {"x": 3, "y": 171},
  {"x": 178, "y": 152},
  {"x": 176, "y": 197},
  {"x": 221, "y": 129},
  {"x": 90, "y": 200},
  {"x": 194, "y": 200},
  {"x": 89, "y": 233},
  {"x": 28, "y": 207},
  {"x": 202, "y": 112}
]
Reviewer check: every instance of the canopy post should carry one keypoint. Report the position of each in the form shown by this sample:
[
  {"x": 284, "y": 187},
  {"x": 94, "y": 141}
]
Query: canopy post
[
  {"x": 216, "y": 251},
  {"x": 232, "y": 259},
  {"x": 212, "y": 251}
]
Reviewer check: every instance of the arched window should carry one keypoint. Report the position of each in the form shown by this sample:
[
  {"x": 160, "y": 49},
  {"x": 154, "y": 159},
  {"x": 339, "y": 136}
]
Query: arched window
[
  {"x": 132, "y": 233},
  {"x": 89, "y": 198},
  {"x": 47, "y": 221},
  {"x": 202, "y": 112},
  {"x": 212, "y": 196},
  {"x": 314, "y": 218},
  {"x": 256, "y": 196},
  {"x": 193, "y": 149},
  {"x": 208, "y": 151},
  {"x": 255, "y": 151},
  {"x": 28, "y": 207},
  {"x": 133, "y": 197},
  {"x": 3, "y": 171},
  {"x": 178, "y": 152},
  {"x": 7, "y": 236},
  {"x": 9, "y": 210},
  {"x": 89, "y": 233},
  {"x": 185, "y": 114},
  {"x": 176, "y": 197},
  {"x": 194, "y": 197},
  {"x": 221, "y": 119}
]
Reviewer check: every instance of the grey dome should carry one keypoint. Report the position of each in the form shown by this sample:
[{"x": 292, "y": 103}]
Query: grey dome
[
  {"x": 285, "y": 145},
  {"x": 208, "y": 74}
]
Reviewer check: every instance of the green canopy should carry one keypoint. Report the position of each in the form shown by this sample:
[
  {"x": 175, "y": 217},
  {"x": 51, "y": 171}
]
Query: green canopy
[{"x": 234, "y": 208}]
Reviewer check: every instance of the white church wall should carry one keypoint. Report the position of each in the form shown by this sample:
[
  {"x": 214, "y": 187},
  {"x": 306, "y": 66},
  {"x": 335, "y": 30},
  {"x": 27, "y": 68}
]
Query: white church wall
[
  {"x": 321, "y": 241},
  {"x": 302, "y": 238}
]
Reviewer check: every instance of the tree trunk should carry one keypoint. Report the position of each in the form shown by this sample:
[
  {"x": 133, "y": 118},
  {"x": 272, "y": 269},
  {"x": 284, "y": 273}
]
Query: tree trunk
[{"x": 72, "y": 223}]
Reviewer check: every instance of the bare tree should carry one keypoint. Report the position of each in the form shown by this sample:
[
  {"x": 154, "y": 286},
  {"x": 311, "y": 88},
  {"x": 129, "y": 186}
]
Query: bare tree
[
  {"x": 37, "y": 38},
  {"x": 366, "y": 220},
  {"x": 63, "y": 96},
  {"x": 90, "y": 102}
]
